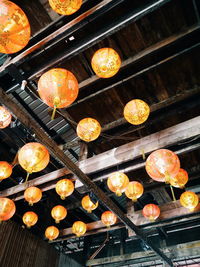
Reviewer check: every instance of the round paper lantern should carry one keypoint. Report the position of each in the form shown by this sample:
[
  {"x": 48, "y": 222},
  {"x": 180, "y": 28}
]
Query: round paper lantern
[
  {"x": 88, "y": 205},
  {"x": 32, "y": 195},
  {"x": 5, "y": 170},
  {"x": 151, "y": 212},
  {"x": 88, "y": 129},
  {"x": 117, "y": 182},
  {"x": 51, "y": 233},
  {"x": 79, "y": 228},
  {"x": 7, "y": 208},
  {"x": 180, "y": 180},
  {"x": 134, "y": 190},
  {"x": 189, "y": 200},
  {"x": 136, "y": 111},
  {"x": 106, "y": 62},
  {"x": 108, "y": 218},
  {"x": 64, "y": 188},
  {"x": 58, "y": 213},
  {"x": 30, "y": 218},
  {"x": 14, "y": 28},
  {"x": 162, "y": 164},
  {"x": 58, "y": 88},
  {"x": 65, "y": 7},
  {"x": 5, "y": 116}
]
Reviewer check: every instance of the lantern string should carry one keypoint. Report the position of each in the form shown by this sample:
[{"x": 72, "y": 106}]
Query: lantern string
[
  {"x": 54, "y": 112},
  {"x": 27, "y": 176},
  {"x": 173, "y": 195}
]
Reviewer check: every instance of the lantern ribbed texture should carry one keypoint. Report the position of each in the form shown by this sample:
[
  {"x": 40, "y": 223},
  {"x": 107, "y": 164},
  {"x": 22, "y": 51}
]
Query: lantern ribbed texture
[
  {"x": 64, "y": 188},
  {"x": 134, "y": 190},
  {"x": 65, "y": 7},
  {"x": 51, "y": 233},
  {"x": 151, "y": 212},
  {"x": 88, "y": 205},
  {"x": 5, "y": 117},
  {"x": 117, "y": 182},
  {"x": 180, "y": 180},
  {"x": 189, "y": 200},
  {"x": 30, "y": 218},
  {"x": 88, "y": 129},
  {"x": 58, "y": 213},
  {"x": 79, "y": 228},
  {"x": 7, "y": 208},
  {"x": 108, "y": 218},
  {"x": 32, "y": 195},
  {"x": 5, "y": 170}
]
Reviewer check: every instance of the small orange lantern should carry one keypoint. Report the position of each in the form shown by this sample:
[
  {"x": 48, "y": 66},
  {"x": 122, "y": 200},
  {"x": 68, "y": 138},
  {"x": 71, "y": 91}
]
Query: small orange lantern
[
  {"x": 51, "y": 233},
  {"x": 30, "y": 218},
  {"x": 117, "y": 182},
  {"x": 58, "y": 213},
  {"x": 79, "y": 228},
  {"x": 7, "y": 208},
  {"x": 189, "y": 200},
  {"x": 88, "y": 129},
  {"x": 58, "y": 88},
  {"x": 180, "y": 180},
  {"x": 134, "y": 190},
  {"x": 5, "y": 116},
  {"x": 5, "y": 170},
  {"x": 162, "y": 164},
  {"x": 136, "y": 111},
  {"x": 151, "y": 212},
  {"x": 65, "y": 7},
  {"x": 32, "y": 195},
  {"x": 106, "y": 62},
  {"x": 88, "y": 205},
  {"x": 108, "y": 218},
  {"x": 15, "y": 28},
  {"x": 64, "y": 188}
]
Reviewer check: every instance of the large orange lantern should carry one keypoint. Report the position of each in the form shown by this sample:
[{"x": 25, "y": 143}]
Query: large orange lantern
[
  {"x": 32, "y": 195},
  {"x": 5, "y": 170},
  {"x": 106, "y": 62},
  {"x": 136, "y": 111},
  {"x": 5, "y": 115},
  {"x": 162, "y": 164},
  {"x": 108, "y": 218},
  {"x": 88, "y": 205},
  {"x": 151, "y": 212},
  {"x": 58, "y": 88},
  {"x": 65, "y": 7},
  {"x": 117, "y": 182},
  {"x": 134, "y": 190},
  {"x": 180, "y": 180},
  {"x": 64, "y": 188},
  {"x": 14, "y": 28},
  {"x": 88, "y": 129},
  {"x": 7, "y": 208},
  {"x": 189, "y": 200},
  {"x": 51, "y": 233},
  {"x": 30, "y": 218},
  {"x": 79, "y": 228},
  {"x": 58, "y": 213}
]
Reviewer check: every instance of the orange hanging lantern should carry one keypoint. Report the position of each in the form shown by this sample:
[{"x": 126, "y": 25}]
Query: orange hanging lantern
[
  {"x": 5, "y": 116},
  {"x": 180, "y": 180},
  {"x": 117, "y": 182},
  {"x": 136, "y": 111},
  {"x": 88, "y": 129},
  {"x": 134, "y": 190},
  {"x": 108, "y": 218},
  {"x": 151, "y": 212},
  {"x": 32, "y": 195},
  {"x": 58, "y": 88},
  {"x": 51, "y": 233},
  {"x": 189, "y": 200},
  {"x": 162, "y": 164},
  {"x": 79, "y": 228},
  {"x": 7, "y": 208},
  {"x": 14, "y": 28},
  {"x": 64, "y": 188},
  {"x": 5, "y": 170},
  {"x": 65, "y": 7},
  {"x": 106, "y": 62},
  {"x": 30, "y": 218},
  {"x": 58, "y": 213},
  {"x": 88, "y": 205}
]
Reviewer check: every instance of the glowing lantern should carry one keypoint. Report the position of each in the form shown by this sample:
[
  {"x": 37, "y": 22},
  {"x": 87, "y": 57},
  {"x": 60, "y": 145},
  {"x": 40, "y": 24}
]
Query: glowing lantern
[
  {"x": 79, "y": 228},
  {"x": 7, "y": 208},
  {"x": 108, "y": 218},
  {"x": 88, "y": 129},
  {"x": 134, "y": 190},
  {"x": 117, "y": 182},
  {"x": 5, "y": 170},
  {"x": 88, "y": 205},
  {"x": 151, "y": 212},
  {"x": 189, "y": 200},
  {"x": 106, "y": 62},
  {"x": 14, "y": 29},
  {"x": 52, "y": 232},
  {"x": 32, "y": 195},
  {"x": 30, "y": 218},
  {"x": 33, "y": 157},
  {"x": 58, "y": 88},
  {"x": 162, "y": 164},
  {"x": 5, "y": 116},
  {"x": 65, "y": 7},
  {"x": 180, "y": 180},
  {"x": 64, "y": 188},
  {"x": 58, "y": 213}
]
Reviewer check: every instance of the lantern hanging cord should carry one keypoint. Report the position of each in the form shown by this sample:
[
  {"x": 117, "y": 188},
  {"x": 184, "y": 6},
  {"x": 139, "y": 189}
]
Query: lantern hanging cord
[
  {"x": 173, "y": 195},
  {"x": 27, "y": 176}
]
